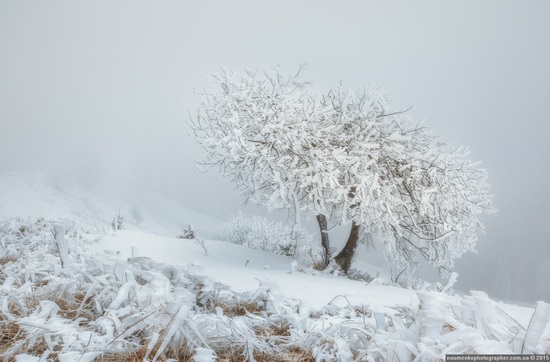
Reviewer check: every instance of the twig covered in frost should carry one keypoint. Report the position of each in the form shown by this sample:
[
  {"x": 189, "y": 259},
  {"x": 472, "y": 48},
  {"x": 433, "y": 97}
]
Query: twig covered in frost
[
  {"x": 202, "y": 244},
  {"x": 452, "y": 280},
  {"x": 59, "y": 235},
  {"x": 537, "y": 325}
]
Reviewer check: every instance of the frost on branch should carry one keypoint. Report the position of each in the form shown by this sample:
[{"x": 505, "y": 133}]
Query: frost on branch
[
  {"x": 348, "y": 158},
  {"x": 59, "y": 234}
]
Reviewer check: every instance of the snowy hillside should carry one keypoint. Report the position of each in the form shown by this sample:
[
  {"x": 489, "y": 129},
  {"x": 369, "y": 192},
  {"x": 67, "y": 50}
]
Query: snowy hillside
[
  {"x": 134, "y": 295},
  {"x": 36, "y": 195},
  {"x": 245, "y": 269}
]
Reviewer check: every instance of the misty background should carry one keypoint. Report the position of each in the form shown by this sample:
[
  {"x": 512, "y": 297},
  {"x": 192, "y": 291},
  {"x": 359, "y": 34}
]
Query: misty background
[{"x": 97, "y": 93}]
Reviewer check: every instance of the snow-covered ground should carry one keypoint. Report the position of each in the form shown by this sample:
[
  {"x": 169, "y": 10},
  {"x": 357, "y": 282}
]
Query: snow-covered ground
[
  {"x": 156, "y": 294},
  {"x": 38, "y": 195},
  {"x": 245, "y": 269}
]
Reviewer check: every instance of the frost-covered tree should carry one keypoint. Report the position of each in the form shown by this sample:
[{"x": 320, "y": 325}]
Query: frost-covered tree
[
  {"x": 347, "y": 158},
  {"x": 262, "y": 131},
  {"x": 397, "y": 181}
]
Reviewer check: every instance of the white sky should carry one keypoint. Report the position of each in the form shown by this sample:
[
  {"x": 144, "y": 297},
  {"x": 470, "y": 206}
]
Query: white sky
[{"x": 99, "y": 92}]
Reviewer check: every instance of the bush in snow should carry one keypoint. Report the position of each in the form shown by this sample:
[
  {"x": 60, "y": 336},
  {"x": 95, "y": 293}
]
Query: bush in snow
[
  {"x": 118, "y": 222},
  {"x": 260, "y": 233},
  {"x": 188, "y": 233}
]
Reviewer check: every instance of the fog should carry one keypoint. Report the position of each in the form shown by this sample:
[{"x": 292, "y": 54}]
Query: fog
[{"x": 99, "y": 92}]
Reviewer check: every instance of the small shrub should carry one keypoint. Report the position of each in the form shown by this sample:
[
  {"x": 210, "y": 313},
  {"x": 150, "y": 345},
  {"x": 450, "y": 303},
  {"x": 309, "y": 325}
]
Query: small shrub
[
  {"x": 188, "y": 233},
  {"x": 260, "y": 233},
  {"x": 118, "y": 222},
  {"x": 318, "y": 265}
]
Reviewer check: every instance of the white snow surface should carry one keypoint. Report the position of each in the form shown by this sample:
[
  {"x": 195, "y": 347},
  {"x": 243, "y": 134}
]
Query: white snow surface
[
  {"x": 38, "y": 195},
  {"x": 338, "y": 319},
  {"x": 244, "y": 269}
]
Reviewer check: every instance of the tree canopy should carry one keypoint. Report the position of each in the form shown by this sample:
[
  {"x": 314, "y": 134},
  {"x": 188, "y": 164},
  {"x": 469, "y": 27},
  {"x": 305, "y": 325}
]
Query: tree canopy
[{"x": 347, "y": 157}]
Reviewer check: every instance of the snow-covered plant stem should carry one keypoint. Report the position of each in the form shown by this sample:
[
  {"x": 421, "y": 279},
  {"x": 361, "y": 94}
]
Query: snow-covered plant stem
[
  {"x": 536, "y": 328},
  {"x": 203, "y": 246},
  {"x": 59, "y": 234},
  {"x": 297, "y": 220}
]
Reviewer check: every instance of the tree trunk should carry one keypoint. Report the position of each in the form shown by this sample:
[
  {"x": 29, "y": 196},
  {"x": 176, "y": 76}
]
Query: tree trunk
[
  {"x": 346, "y": 254},
  {"x": 322, "y": 220},
  {"x": 297, "y": 223}
]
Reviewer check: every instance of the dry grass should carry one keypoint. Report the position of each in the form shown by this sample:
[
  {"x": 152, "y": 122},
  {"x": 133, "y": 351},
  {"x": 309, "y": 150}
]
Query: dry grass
[
  {"x": 136, "y": 356},
  {"x": 361, "y": 311},
  {"x": 299, "y": 355},
  {"x": 319, "y": 265},
  {"x": 69, "y": 307},
  {"x": 9, "y": 333},
  {"x": 6, "y": 259},
  {"x": 241, "y": 308},
  {"x": 16, "y": 309},
  {"x": 448, "y": 328},
  {"x": 281, "y": 329},
  {"x": 293, "y": 355},
  {"x": 182, "y": 355}
]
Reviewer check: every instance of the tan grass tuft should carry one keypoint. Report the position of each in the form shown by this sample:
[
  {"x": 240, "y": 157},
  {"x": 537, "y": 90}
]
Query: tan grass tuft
[
  {"x": 241, "y": 308},
  {"x": 10, "y": 332},
  {"x": 8, "y": 259}
]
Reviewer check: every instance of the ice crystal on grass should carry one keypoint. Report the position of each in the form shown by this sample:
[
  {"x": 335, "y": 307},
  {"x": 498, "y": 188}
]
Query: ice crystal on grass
[{"x": 141, "y": 310}]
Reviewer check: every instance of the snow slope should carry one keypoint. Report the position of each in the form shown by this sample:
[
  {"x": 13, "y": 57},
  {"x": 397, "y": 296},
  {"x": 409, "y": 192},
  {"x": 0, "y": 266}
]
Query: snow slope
[
  {"x": 36, "y": 195},
  {"x": 101, "y": 304},
  {"x": 147, "y": 218},
  {"x": 168, "y": 285},
  {"x": 244, "y": 269}
]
